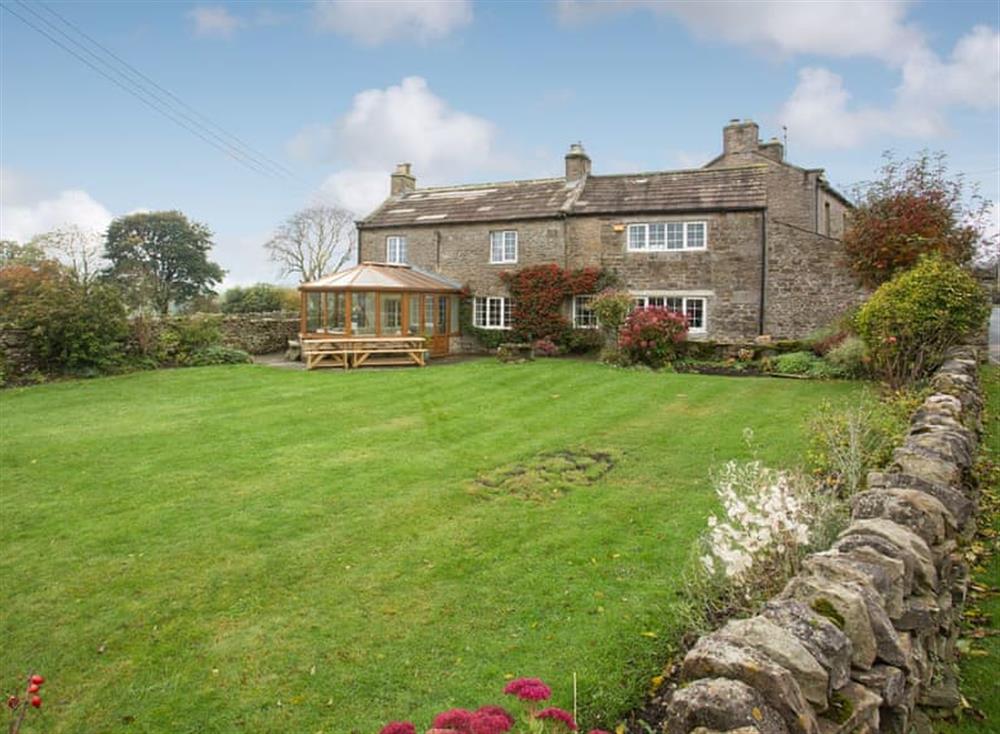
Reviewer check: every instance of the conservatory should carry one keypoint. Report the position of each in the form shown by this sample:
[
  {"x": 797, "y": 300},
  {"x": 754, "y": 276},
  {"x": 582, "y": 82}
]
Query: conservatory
[{"x": 377, "y": 314}]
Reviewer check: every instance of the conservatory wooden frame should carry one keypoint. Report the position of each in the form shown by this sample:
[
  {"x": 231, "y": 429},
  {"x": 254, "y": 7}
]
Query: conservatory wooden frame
[{"x": 377, "y": 313}]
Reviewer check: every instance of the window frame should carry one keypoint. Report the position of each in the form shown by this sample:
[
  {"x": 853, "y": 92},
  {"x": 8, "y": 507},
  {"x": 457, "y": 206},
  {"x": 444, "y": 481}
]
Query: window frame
[
  {"x": 647, "y": 245},
  {"x": 645, "y": 298},
  {"x": 401, "y": 249},
  {"x": 485, "y": 308},
  {"x": 502, "y": 234},
  {"x": 592, "y": 317}
]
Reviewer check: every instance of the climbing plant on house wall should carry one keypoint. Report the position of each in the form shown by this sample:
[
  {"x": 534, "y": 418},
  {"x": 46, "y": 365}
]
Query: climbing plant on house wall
[{"x": 539, "y": 292}]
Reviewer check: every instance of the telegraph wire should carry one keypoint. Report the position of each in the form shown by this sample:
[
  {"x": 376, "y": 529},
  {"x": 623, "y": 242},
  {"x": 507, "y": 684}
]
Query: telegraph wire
[
  {"x": 140, "y": 93},
  {"x": 244, "y": 146},
  {"x": 157, "y": 106}
]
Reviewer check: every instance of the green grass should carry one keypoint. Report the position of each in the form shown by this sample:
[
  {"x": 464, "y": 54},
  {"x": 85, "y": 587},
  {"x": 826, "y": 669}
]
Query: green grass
[
  {"x": 250, "y": 549},
  {"x": 980, "y": 684}
]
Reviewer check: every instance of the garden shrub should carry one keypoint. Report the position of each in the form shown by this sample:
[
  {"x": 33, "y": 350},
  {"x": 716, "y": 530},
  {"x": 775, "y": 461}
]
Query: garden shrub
[
  {"x": 582, "y": 341},
  {"x": 795, "y": 363},
  {"x": 770, "y": 520},
  {"x": 849, "y": 356},
  {"x": 72, "y": 326},
  {"x": 217, "y": 355},
  {"x": 538, "y": 293},
  {"x": 183, "y": 336},
  {"x": 909, "y": 322},
  {"x": 650, "y": 335},
  {"x": 259, "y": 298},
  {"x": 545, "y": 348},
  {"x": 846, "y": 441}
]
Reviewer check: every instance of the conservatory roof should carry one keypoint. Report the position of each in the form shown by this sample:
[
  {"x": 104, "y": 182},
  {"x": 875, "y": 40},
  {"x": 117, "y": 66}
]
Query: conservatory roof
[{"x": 371, "y": 276}]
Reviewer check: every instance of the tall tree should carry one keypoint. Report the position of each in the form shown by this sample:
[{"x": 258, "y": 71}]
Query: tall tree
[
  {"x": 314, "y": 242},
  {"x": 915, "y": 207},
  {"x": 161, "y": 258}
]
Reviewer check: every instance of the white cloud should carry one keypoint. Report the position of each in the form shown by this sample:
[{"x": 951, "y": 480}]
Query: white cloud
[
  {"x": 215, "y": 20},
  {"x": 23, "y": 214},
  {"x": 404, "y": 122},
  {"x": 840, "y": 28},
  {"x": 373, "y": 23},
  {"x": 819, "y": 112}
]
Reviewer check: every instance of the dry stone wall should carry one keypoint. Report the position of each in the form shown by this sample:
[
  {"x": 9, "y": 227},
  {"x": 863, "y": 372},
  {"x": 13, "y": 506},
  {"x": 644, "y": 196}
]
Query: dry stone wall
[{"x": 864, "y": 637}]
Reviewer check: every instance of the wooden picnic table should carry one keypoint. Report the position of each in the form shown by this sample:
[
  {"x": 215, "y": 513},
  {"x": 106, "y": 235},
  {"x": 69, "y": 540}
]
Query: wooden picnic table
[{"x": 356, "y": 351}]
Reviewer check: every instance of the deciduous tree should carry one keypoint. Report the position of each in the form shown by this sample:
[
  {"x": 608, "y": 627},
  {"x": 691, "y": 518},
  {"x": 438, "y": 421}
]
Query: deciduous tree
[
  {"x": 161, "y": 258},
  {"x": 313, "y": 242},
  {"x": 915, "y": 207}
]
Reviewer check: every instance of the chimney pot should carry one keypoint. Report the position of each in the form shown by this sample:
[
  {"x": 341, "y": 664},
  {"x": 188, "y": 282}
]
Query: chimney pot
[
  {"x": 401, "y": 180},
  {"x": 577, "y": 163}
]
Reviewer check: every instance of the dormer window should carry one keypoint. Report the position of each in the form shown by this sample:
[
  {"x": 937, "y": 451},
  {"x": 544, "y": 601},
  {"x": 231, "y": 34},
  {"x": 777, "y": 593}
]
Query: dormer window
[
  {"x": 503, "y": 246},
  {"x": 395, "y": 250}
]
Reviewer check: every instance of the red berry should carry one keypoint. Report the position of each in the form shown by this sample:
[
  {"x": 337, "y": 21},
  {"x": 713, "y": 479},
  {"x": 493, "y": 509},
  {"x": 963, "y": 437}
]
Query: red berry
[
  {"x": 36, "y": 701},
  {"x": 13, "y": 701},
  {"x": 33, "y": 688},
  {"x": 37, "y": 680}
]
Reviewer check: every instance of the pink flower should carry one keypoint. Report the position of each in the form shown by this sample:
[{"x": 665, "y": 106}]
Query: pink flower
[
  {"x": 598, "y": 731},
  {"x": 487, "y": 723},
  {"x": 398, "y": 727},
  {"x": 559, "y": 715},
  {"x": 458, "y": 719},
  {"x": 528, "y": 689},
  {"x": 497, "y": 711}
]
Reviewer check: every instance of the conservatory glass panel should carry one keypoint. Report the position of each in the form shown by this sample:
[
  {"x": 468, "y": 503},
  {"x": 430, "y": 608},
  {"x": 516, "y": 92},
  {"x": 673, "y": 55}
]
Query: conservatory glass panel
[
  {"x": 363, "y": 313},
  {"x": 392, "y": 314}
]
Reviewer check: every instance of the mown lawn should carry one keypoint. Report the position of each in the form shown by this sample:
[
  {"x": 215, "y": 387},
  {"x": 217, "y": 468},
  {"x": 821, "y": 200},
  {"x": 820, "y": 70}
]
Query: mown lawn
[{"x": 250, "y": 549}]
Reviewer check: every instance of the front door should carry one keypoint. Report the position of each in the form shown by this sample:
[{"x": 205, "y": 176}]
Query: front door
[{"x": 439, "y": 306}]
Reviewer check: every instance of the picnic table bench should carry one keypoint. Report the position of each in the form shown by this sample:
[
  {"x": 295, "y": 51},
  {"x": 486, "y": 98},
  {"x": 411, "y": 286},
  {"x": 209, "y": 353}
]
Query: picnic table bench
[{"x": 356, "y": 351}]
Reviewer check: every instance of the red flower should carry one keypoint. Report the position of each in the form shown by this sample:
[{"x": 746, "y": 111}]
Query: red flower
[
  {"x": 559, "y": 715},
  {"x": 497, "y": 711},
  {"x": 487, "y": 723},
  {"x": 528, "y": 689},
  {"x": 398, "y": 727},
  {"x": 458, "y": 719},
  {"x": 36, "y": 701}
]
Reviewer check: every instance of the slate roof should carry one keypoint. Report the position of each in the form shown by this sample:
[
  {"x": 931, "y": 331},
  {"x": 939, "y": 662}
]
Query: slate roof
[
  {"x": 701, "y": 189},
  {"x": 662, "y": 191},
  {"x": 382, "y": 276}
]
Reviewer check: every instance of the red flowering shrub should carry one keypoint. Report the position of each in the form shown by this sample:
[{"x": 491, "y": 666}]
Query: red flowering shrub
[
  {"x": 650, "y": 335},
  {"x": 398, "y": 727},
  {"x": 914, "y": 208},
  {"x": 545, "y": 348},
  {"x": 538, "y": 293}
]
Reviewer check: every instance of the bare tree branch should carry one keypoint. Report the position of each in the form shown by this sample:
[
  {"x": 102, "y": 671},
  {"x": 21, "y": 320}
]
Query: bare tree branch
[
  {"x": 314, "y": 242},
  {"x": 77, "y": 248}
]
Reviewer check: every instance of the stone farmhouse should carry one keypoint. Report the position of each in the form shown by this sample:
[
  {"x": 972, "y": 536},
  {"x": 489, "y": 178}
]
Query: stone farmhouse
[{"x": 747, "y": 245}]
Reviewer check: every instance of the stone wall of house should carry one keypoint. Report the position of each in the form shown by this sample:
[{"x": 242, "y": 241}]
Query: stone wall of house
[
  {"x": 462, "y": 251},
  {"x": 808, "y": 282},
  {"x": 727, "y": 273},
  {"x": 863, "y": 639}
]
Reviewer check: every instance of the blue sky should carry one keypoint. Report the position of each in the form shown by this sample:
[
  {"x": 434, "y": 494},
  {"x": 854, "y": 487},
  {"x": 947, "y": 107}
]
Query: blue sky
[{"x": 337, "y": 92}]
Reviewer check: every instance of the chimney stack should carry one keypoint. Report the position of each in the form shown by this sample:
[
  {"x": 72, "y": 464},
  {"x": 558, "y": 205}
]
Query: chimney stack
[
  {"x": 401, "y": 181},
  {"x": 577, "y": 163},
  {"x": 740, "y": 138},
  {"x": 773, "y": 149}
]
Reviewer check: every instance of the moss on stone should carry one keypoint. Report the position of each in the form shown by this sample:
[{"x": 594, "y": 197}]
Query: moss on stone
[
  {"x": 840, "y": 709},
  {"x": 825, "y": 608}
]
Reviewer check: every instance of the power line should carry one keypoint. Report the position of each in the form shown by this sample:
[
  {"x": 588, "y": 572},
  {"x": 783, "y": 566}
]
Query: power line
[
  {"x": 156, "y": 104},
  {"x": 257, "y": 155}
]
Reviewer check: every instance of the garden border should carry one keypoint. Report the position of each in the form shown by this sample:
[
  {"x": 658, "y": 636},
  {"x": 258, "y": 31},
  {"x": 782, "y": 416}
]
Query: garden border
[{"x": 864, "y": 637}]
